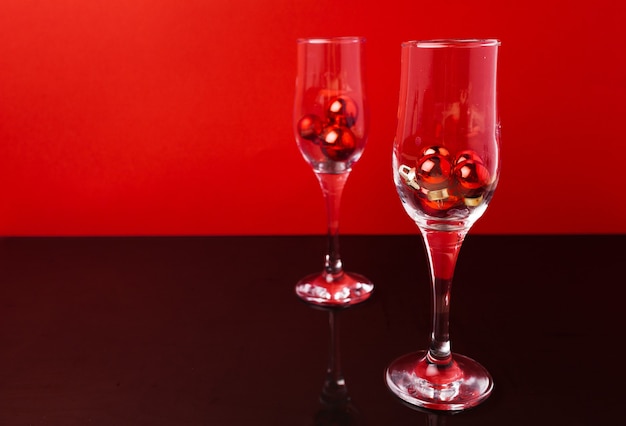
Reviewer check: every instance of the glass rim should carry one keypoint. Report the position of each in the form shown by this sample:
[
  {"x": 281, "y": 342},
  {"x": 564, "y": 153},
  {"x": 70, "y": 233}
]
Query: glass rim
[
  {"x": 452, "y": 42},
  {"x": 331, "y": 40}
]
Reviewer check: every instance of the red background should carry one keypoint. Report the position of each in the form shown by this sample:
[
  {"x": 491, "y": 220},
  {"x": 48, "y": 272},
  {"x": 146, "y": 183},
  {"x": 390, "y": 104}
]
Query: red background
[{"x": 174, "y": 117}]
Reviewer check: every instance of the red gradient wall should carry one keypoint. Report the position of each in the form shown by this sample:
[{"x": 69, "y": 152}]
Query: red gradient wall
[{"x": 174, "y": 117}]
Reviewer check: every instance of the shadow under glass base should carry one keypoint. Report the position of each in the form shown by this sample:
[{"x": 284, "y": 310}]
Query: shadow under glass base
[
  {"x": 457, "y": 386},
  {"x": 326, "y": 290}
]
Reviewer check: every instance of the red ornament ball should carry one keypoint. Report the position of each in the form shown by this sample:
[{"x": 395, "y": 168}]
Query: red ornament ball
[
  {"x": 436, "y": 149},
  {"x": 338, "y": 142},
  {"x": 309, "y": 127},
  {"x": 472, "y": 177},
  {"x": 433, "y": 171},
  {"x": 342, "y": 111},
  {"x": 467, "y": 155},
  {"x": 436, "y": 206}
]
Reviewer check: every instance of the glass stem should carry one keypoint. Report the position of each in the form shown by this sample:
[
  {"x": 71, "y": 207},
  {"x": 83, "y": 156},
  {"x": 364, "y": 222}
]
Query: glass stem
[
  {"x": 332, "y": 185},
  {"x": 334, "y": 391},
  {"x": 443, "y": 250}
]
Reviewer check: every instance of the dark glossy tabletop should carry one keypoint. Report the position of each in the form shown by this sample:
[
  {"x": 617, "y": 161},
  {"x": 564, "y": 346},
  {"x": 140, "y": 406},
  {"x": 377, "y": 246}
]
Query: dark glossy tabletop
[{"x": 208, "y": 331}]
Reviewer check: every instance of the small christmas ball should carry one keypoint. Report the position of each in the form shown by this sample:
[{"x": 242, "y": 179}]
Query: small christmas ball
[
  {"x": 436, "y": 149},
  {"x": 342, "y": 111},
  {"x": 467, "y": 155},
  {"x": 438, "y": 202},
  {"x": 472, "y": 178},
  {"x": 338, "y": 142},
  {"x": 309, "y": 127},
  {"x": 433, "y": 171}
]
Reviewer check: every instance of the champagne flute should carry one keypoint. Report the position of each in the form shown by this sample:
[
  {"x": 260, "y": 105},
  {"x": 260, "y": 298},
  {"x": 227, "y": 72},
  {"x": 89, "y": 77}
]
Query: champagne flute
[
  {"x": 331, "y": 128},
  {"x": 446, "y": 163}
]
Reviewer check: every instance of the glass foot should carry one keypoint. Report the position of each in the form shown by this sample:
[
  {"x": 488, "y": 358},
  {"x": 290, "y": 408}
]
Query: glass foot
[
  {"x": 456, "y": 386},
  {"x": 327, "y": 290}
]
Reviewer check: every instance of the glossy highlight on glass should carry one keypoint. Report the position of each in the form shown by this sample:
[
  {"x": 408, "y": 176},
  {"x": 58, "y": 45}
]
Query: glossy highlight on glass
[
  {"x": 446, "y": 165},
  {"x": 331, "y": 128}
]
